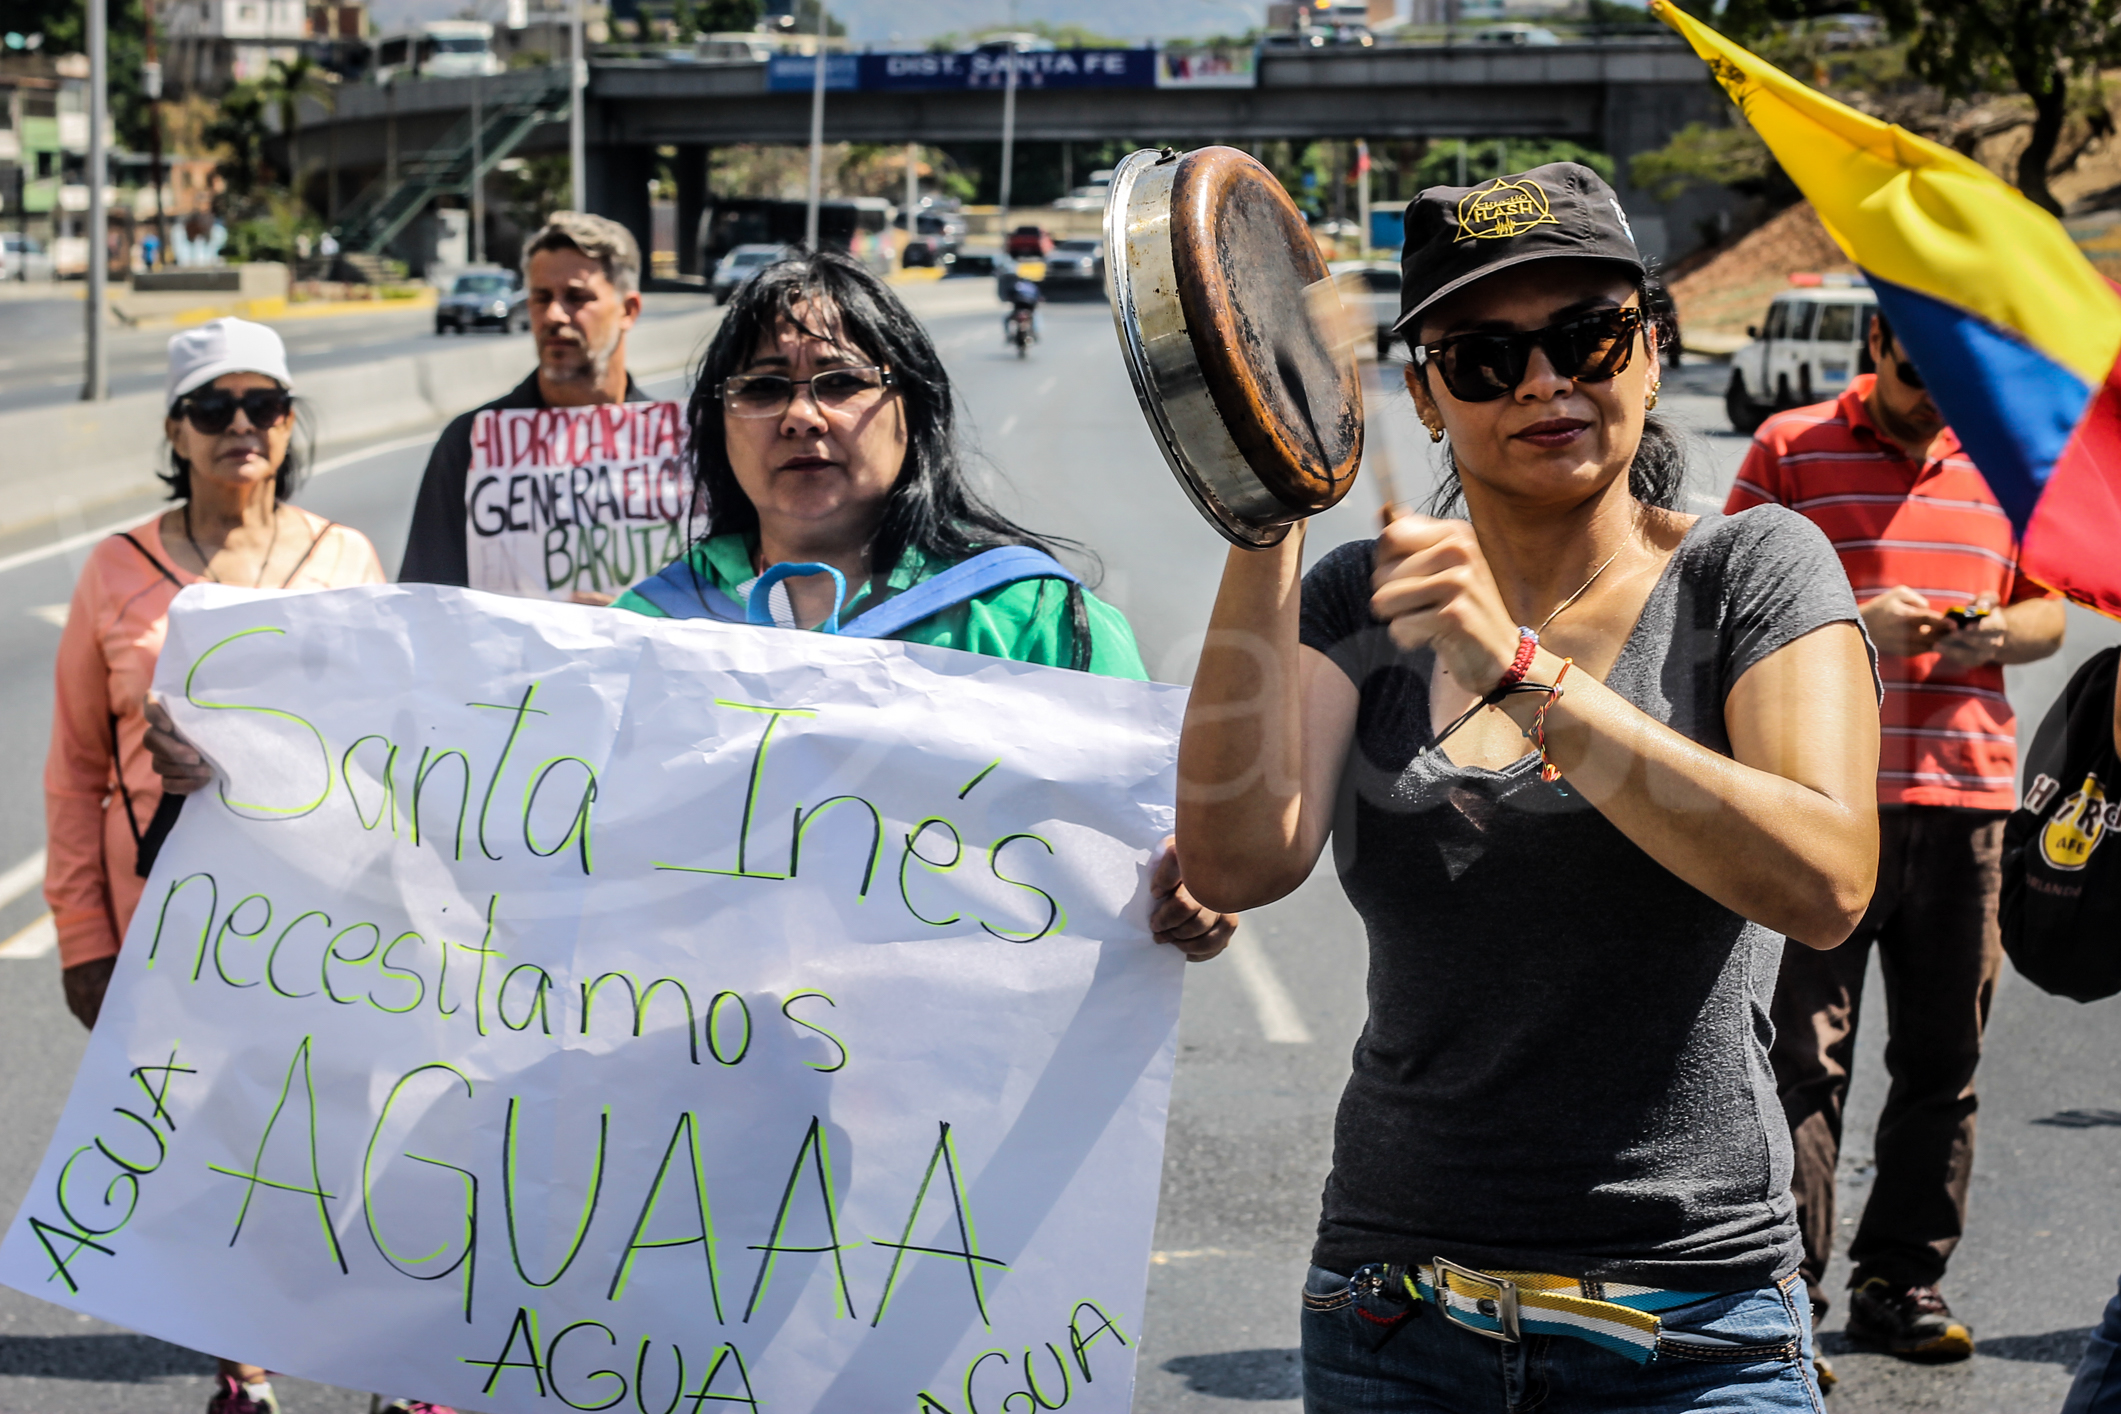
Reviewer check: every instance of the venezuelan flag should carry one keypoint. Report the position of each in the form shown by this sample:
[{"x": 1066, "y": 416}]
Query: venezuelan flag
[{"x": 2017, "y": 336}]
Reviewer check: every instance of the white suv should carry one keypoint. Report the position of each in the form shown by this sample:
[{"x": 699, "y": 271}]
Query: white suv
[{"x": 1814, "y": 341}]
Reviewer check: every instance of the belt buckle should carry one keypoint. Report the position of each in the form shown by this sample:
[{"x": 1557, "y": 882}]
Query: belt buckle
[{"x": 1504, "y": 1301}]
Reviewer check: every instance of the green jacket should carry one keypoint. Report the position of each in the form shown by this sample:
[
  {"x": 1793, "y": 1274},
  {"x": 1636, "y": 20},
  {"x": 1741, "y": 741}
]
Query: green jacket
[{"x": 1027, "y": 622}]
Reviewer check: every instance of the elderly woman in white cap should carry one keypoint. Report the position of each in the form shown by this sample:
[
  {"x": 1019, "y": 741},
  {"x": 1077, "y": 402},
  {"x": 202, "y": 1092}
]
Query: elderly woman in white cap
[{"x": 230, "y": 427}]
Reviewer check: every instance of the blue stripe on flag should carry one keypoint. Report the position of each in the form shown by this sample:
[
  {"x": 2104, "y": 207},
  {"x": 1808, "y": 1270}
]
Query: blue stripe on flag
[{"x": 2013, "y": 407}]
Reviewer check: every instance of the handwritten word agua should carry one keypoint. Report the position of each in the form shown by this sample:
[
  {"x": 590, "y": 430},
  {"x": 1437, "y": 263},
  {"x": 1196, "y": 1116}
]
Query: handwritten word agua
[
  {"x": 1034, "y": 1396},
  {"x": 78, "y": 1233}
]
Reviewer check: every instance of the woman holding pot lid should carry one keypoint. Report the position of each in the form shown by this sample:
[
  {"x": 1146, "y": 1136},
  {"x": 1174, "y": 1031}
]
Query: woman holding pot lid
[{"x": 1585, "y": 759}]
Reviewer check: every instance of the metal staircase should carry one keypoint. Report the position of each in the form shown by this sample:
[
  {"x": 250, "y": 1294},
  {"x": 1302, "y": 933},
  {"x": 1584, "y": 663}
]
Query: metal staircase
[{"x": 508, "y": 115}]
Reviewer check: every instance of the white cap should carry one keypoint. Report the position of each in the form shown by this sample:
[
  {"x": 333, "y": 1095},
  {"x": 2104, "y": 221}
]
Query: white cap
[{"x": 199, "y": 356}]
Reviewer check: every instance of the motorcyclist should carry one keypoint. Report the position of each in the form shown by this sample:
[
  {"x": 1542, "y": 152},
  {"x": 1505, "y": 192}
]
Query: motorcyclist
[{"x": 1024, "y": 298}]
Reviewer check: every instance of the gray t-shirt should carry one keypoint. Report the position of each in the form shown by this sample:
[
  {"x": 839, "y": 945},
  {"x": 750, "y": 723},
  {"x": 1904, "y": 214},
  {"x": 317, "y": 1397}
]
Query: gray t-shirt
[{"x": 1565, "y": 1066}]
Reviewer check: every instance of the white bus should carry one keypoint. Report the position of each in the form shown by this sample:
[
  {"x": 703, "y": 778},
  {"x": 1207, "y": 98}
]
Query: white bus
[{"x": 437, "y": 49}]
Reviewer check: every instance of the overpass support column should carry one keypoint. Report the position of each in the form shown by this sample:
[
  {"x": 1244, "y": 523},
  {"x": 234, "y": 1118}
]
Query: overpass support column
[
  {"x": 618, "y": 188},
  {"x": 692, "y": 202}
]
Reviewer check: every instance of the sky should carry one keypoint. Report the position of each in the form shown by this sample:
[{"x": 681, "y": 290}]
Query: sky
[{"x": 913, "y": 22}]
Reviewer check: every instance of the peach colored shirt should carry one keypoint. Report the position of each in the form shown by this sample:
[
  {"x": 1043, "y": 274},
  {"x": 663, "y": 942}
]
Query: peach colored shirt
[{"x": 114, "y": 631}]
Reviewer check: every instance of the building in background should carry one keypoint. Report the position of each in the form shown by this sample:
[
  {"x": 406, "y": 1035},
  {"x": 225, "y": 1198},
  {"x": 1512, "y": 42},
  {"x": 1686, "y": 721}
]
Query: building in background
[{"x": 43, "y": 146}]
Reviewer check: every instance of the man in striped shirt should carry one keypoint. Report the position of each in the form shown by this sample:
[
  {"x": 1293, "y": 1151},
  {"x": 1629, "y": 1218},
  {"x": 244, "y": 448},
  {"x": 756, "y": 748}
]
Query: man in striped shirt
[{"x": 1934, "y": 564}]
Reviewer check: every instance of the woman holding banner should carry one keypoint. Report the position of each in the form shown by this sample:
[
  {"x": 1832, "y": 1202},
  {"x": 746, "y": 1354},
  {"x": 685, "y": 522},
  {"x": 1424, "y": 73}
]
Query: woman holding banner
[
  {"x": 1586, "y": 759},
  {"x": 232, "y": 466},
  {"x": 824, "y": 431}
]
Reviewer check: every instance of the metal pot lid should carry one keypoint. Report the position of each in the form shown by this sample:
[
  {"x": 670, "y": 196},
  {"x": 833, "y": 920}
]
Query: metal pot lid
[{"x": 1215, "y": 283}]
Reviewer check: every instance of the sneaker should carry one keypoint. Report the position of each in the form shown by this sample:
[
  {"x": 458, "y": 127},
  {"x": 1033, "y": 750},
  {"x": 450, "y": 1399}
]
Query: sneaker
[
  {"x": 1910, "y": 1321},
  {"x": 1823, "y": 1374},
  {"x": 235, "y": 1397}
]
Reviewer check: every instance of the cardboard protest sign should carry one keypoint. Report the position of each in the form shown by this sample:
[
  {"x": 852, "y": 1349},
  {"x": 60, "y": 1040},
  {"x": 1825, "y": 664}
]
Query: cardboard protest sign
[
  {"x": 550, "y": 1007},
  {"x": 566, "y": 499}
]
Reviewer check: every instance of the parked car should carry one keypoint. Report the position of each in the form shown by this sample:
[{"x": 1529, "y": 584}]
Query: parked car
[
  {"x": 741, "y": 264},
  {"x": 1028, "y": 243},
  {"x": 937, "y": 235},
  {"x": 483, "y": 299},
  {"x": 1814, "y": 340},
  {"x": 1075, "y": 266},
  {"x": 1370, "y": 288},
  {"x": 23, "y": 257},
  {"x": 1516, "y": 36}
]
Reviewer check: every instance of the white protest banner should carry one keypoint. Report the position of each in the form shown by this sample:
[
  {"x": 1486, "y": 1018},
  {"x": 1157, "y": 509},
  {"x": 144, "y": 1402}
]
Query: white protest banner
[
  {"x": 553, "y": 1008},
  {"x": 566, "y": 499}
]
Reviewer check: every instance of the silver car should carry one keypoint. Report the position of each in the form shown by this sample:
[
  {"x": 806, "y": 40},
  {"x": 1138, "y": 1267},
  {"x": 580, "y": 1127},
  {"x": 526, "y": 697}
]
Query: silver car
[
  {"x": 741, "y": 264},
  {"x": 492, "y": 299},
  {"x": 23, "y": 257},
  {"x": 1075, "y": 265}
]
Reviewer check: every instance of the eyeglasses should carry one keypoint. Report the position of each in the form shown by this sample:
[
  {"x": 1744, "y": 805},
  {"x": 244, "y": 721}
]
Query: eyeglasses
[
  {"x": 214, "y": 411},
  {"x": 838, "y": 389},
  {"x": 1909, "y": 376},
  {"x": 1479, "y": 368}
]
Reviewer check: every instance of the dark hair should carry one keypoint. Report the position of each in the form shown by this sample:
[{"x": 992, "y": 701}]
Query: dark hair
[
  {"x": 1657, "y": 476},
  {"x": 301, "y": 442},
  {"x": 932, "y": 507}
]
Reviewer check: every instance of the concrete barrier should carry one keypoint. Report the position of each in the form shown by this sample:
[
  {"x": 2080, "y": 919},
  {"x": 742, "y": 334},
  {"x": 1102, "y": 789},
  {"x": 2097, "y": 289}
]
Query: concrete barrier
[{"x": 62, "y": 463}]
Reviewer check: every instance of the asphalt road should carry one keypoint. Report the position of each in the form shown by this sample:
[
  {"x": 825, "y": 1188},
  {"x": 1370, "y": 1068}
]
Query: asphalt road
[
  {"x": 1267, "y": 1031},
  {"x": 41, "y": 363}
]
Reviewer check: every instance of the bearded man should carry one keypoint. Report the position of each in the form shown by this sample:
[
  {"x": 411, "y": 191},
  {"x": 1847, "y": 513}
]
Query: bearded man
[{"x": 584, "y": 278}]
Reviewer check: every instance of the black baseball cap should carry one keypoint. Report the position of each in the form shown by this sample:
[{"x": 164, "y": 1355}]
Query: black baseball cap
[{"x": 1455, "y": 235}]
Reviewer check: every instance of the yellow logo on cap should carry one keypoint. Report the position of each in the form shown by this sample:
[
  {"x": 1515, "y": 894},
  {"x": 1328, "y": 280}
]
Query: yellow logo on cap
[
  {"x": 2075, "y": 830},
  {"x": 1503, "y": 210}
]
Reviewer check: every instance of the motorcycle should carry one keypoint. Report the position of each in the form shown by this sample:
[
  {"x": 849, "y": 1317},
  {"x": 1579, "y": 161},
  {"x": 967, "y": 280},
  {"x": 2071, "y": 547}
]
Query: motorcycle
[{"x": 1021, "y": 332}]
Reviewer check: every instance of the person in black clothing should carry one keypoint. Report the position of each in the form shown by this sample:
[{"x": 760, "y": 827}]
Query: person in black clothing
[{"x": 584, "y": 274}]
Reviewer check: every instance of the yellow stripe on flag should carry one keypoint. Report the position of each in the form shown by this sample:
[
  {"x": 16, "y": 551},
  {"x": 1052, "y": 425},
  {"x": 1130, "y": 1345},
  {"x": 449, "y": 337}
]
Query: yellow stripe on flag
[{"x": 1918, "y": 214}]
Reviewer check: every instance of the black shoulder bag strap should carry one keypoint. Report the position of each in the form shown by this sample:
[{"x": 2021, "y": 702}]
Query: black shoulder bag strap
[{"x": 147, "y": 844}]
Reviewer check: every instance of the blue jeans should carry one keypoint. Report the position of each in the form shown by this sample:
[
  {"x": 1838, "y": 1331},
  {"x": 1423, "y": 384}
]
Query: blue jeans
[
  {"x": 1368, "y": 1354},
  {"x": 2097, "y": 1389}
]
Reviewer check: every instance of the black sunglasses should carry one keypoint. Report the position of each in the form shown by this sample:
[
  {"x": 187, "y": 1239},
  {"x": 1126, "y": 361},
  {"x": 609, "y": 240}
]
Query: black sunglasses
[
  {"x": 1481, "y": 367},
  {"x": 1909, "y": 376},
  {"x": 214, "y": 411}
]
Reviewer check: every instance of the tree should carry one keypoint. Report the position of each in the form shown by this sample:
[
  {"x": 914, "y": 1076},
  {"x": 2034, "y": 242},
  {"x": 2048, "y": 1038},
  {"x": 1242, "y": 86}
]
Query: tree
[
  {"x": 240, "y": 130},
  {"x": 287, "y": 82},
  {"x": 728, "y": 16},
  {"x": 1438, "y": 167},
  {"x": 2044, "y": 48},
  {"x": 1701, "y": 153}
]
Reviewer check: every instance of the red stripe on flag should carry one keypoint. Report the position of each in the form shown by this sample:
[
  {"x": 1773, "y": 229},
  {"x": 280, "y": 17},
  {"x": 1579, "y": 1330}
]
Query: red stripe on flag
[{"x": 2074, "y": 541}]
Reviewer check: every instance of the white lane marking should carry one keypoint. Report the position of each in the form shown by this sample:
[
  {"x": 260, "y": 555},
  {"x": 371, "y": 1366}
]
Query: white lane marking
[
  {"x": 53, "y": 614},
  {"x": 1046, "y": 387},
  {"x": 90, "y": 537},
  {"x": 22, "y": 878},
  {"x": 1008, "y": 425},
  {"x": 39, "y": 939},
  {"x": 1278, "y": 1018}
]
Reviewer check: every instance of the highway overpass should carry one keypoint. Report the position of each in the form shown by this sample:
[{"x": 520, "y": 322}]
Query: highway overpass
[{"x": 1621, "y": 95}]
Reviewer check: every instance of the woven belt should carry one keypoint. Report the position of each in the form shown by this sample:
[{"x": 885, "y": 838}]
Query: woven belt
[{"x": 1510, "y": 1305}]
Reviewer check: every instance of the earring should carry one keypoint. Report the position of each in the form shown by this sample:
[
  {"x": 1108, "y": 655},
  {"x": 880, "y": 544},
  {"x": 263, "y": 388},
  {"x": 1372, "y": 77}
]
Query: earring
[
  {"x": 1435, "y": 432},
  {"x": 1649, "y": 404}
]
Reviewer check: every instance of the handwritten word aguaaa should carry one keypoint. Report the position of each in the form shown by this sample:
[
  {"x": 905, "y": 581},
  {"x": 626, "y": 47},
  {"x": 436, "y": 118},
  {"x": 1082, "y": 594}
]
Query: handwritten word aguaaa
[{"x": 552, "y": 1008}]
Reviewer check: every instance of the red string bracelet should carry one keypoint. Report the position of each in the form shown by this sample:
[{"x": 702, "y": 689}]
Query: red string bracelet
[
  {"x": 1548, "y": 771},
  {"x": 1527, "y": 645}
]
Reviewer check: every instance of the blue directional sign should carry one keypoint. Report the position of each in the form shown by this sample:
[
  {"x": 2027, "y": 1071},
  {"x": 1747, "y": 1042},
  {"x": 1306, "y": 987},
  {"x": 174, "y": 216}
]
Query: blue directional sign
[
  {"x": 1049, "y": 68},
  {"x": 797, "y": 73}
]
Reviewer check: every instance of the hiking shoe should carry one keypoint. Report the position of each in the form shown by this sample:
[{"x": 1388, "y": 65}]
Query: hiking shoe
[
  {"x": 1909, "y": 1321},
  {"x": 235, "y": 1397}
]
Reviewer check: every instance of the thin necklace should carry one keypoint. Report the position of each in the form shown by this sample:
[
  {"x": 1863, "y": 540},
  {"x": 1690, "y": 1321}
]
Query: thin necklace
[
  {"x": 206, "y": 569},
  {"x": 1577, "y": 595}
]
